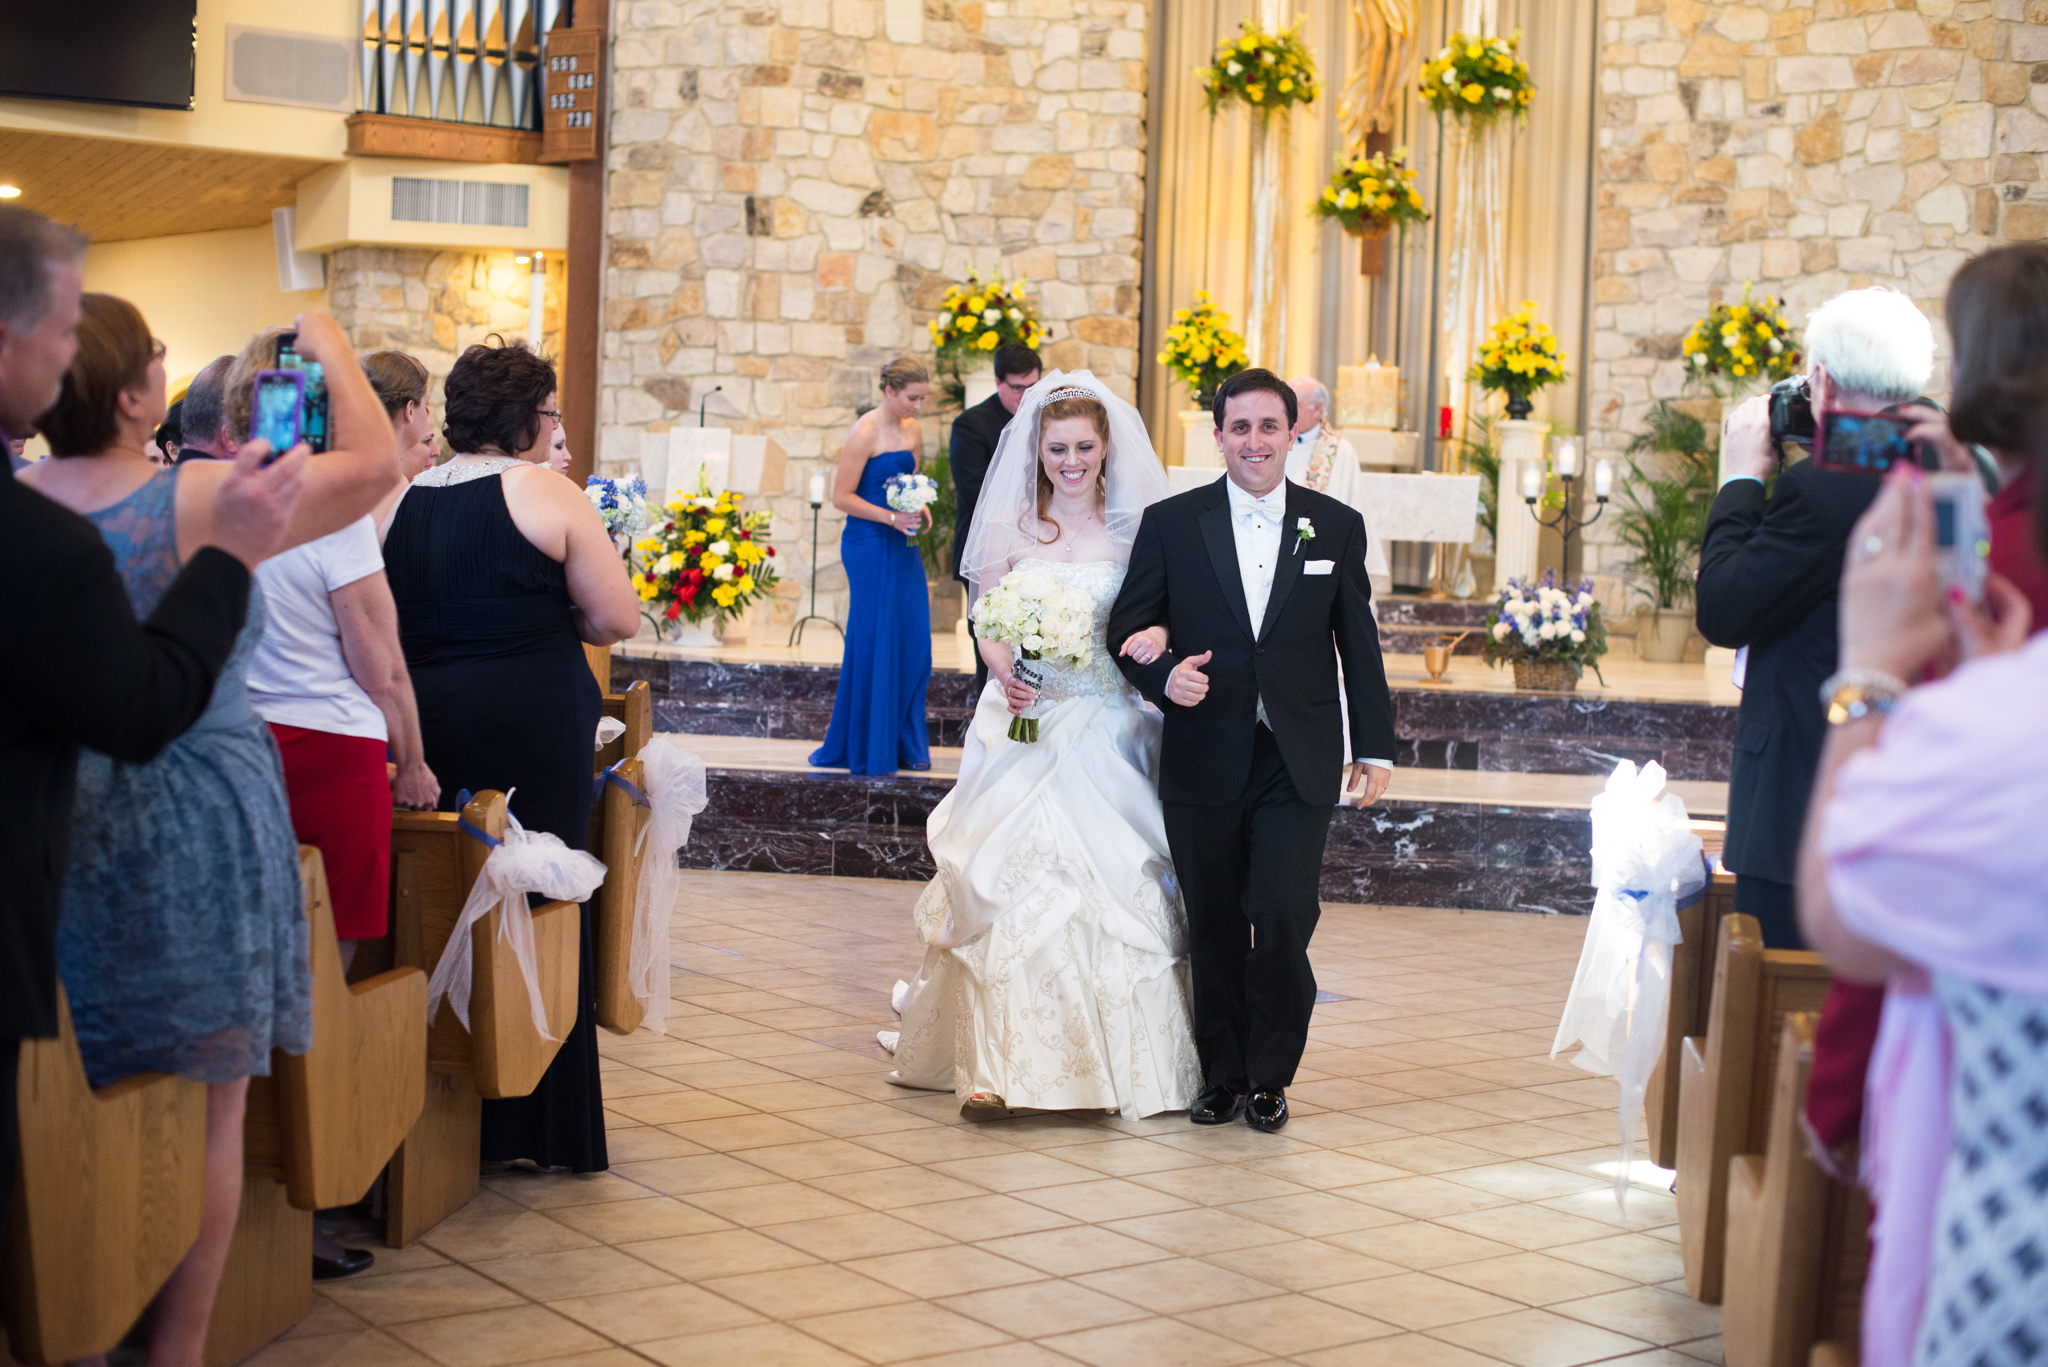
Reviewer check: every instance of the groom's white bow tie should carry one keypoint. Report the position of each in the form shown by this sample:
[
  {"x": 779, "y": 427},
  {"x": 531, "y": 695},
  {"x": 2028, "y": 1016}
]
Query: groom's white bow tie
[{"x": 1271, "y": 506}]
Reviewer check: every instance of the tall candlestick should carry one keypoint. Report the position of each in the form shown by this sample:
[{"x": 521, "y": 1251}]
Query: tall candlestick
[
  {"x": 1532, "y": 481},
  {"x": 1603, "y": 478},
  {"x": 1564, "y": 454},
  {"x": 817, "y": 490}
]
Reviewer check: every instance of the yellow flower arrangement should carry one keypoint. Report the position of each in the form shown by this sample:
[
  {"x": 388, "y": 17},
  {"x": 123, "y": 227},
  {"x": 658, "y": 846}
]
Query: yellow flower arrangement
[
  {"x": 704, "y": 558},
  {"x": 1268, "y": 71},
  {"x": 1742, "y": 341},
  {"x": 1478, "y": 78},
  {"x": 977, "y": 317},
  {"x": 1369, "y": 195},
  {"x": 1518, "y": 357},
  {"x": 1201, "y": 350}
]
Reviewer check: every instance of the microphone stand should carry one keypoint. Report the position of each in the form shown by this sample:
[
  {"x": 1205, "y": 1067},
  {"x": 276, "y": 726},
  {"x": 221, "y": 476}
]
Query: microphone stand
[{"x": 796, "y": 633}]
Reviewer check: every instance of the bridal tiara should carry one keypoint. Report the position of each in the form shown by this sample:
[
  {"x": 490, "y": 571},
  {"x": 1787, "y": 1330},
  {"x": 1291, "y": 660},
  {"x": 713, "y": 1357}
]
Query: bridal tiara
[{"x": 1068, "y": 391}]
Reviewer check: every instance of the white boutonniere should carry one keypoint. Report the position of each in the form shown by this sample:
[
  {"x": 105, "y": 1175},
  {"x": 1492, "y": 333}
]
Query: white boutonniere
[{"x": 1304, "y": 532}]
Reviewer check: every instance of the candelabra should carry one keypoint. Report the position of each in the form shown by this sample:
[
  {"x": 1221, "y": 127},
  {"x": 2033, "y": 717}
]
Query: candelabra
[
  {"x": 796, "y": 633},
  {"x": 1565, "y": 459}
]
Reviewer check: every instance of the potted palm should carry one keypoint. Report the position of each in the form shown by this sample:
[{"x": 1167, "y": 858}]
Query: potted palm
[{"x": 1662, "y": 520}]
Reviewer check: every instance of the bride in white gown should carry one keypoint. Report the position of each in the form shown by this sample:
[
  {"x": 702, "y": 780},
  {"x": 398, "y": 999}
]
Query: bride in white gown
[{"x": 1055, "y": 968}]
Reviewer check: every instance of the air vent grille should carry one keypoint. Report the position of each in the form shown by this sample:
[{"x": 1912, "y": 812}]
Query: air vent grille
[{"x": 477, "y": 202}]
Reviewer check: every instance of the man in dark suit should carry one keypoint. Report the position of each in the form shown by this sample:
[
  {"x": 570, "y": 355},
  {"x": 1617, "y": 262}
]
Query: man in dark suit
[
  {"x": 973, "y": 446},
  {"x": 75, "y": 667},
  {"x": 1770, "y": 570},
  {"x": 1261, "y": 585}
]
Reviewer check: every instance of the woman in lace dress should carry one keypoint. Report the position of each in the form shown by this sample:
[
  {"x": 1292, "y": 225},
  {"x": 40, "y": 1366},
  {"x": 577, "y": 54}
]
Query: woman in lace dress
[{"x": 1055, "y": 970}]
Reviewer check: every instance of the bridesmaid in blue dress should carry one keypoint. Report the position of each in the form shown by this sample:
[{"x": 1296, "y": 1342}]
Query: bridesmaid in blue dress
[{"x": 878, "y": 722}]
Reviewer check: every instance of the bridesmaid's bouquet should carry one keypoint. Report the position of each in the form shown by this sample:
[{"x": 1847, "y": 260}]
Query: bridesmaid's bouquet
[
  {"x": 622, "y": 503},
  {"x": 910, "y": 494},
  {"x": 1044, "y": 619}
]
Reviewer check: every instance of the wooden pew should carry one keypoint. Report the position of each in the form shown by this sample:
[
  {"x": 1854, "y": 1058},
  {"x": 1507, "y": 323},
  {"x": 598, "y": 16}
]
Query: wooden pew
[
  {"x": 1726, "y": 1081},
  {"x": 433, "y": 864},
  {"x": 1692, "y": 993},
  {"x": 616, "y": 821},
  {"x": 1795, "y": 1236},
  {"x": 318, "y": 1131},
  {"x": 107, "y": 1200}
]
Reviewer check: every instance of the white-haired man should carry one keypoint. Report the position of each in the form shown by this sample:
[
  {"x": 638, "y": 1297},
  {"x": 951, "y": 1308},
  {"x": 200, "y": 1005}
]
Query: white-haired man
[
  {"x": 1320, "y": 459},
  {"x": 1769, "y": 572}
]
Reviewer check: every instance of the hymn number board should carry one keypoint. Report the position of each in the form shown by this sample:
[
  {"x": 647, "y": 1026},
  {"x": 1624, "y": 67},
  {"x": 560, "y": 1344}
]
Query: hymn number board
[{"x": 572, "y": 81}]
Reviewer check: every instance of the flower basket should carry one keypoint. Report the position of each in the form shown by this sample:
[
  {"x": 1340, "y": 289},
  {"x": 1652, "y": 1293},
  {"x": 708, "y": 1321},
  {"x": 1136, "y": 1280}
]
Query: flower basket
[
  {"x": 1370, "y": 196},
  {"x": 1475, "y": 79},
  {"x": 703, "y": 561},
  {"x": 1201, "y": 350},
  {"x": 1737, "y": 343},
  {"x": 1552, "y": 676},
  {"x": 1266, "y": 71}
]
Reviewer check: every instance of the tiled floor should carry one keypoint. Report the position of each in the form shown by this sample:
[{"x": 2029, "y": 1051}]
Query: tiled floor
[{"x": 1442, "y": 1197}]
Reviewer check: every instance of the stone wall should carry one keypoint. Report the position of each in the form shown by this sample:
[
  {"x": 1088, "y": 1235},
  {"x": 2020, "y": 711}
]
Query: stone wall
[
  {"x": 1808, "y": 147},
  {"x": 435, "y": 303},
  {"x": 792, "y": 187}
]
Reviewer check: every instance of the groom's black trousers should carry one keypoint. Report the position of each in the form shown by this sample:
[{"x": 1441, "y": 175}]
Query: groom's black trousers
[{"x": 1249, "y": 872}]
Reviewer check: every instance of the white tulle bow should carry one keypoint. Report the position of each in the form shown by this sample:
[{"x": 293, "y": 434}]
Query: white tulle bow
[
  {"x": 673, "y": 779},
  {"x": 609, "y": 729},
  {"x": 1645, "y": 858},
  {"x": 523, "y": 862}
]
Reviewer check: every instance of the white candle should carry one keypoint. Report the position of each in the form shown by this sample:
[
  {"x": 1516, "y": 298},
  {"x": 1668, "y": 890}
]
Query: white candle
[
  {"x": 817, "y": 490},
  {"x": 1532, "y": 481},
  {"x": 1564, "y": 454},
  {"x": 1603, "y": 478}
]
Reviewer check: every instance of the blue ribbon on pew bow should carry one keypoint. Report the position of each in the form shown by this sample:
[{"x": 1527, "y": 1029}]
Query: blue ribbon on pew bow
[
  {"x": 623, "y": 784},
  {"x": 470, "y": 828}
]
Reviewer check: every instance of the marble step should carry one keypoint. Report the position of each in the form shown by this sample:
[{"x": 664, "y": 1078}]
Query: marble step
[{"x": 1441, "y": 838}]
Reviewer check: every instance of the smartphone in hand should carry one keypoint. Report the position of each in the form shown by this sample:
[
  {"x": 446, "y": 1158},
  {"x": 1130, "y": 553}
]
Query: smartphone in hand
[
  {"x": 276, "y": 413},
  {"x": 1962, "y": 533},
  {"x": 1862, "y": 443}
]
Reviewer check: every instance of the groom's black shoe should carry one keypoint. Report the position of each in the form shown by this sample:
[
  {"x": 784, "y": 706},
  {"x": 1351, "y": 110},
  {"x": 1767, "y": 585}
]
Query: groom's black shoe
[
  {"x": 1266, "y": 1109},
  {"x": 1217, "y": 1106}
]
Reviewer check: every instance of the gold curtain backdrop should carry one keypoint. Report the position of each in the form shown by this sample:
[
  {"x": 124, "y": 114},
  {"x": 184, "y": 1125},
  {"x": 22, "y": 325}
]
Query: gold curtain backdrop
[{"x": 1199, "y": 232}]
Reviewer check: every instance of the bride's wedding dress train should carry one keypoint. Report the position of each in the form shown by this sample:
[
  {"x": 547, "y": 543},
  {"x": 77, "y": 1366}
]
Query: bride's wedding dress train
[{"x": 1055, "y": 968}]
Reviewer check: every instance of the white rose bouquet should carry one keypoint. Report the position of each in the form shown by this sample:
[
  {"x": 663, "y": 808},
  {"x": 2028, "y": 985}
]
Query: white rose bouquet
[
  {"x": 1044, "y": 619},
  {"x": 1540, "y": 621},
  {"x": 910, "y": 494}
]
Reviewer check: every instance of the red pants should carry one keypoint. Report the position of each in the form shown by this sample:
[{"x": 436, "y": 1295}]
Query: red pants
[{"x": 341, "y": 805}]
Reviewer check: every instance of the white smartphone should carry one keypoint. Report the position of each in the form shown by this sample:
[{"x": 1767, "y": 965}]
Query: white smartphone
[{"x": 1962, "y": 533}]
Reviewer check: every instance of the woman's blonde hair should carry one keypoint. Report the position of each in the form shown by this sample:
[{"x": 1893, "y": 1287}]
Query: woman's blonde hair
[
  {"x": 114, "y": 352},
  {"x": 238, "y": 396},
  {"x": 399, "y": 379},
  {"x": 1072, "y": 406},
  {"x": 904, "y": 372}
]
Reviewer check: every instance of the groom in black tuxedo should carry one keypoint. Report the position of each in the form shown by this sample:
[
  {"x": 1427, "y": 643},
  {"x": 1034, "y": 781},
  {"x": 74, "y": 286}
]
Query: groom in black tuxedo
[{"x": 1262, "y": 587}]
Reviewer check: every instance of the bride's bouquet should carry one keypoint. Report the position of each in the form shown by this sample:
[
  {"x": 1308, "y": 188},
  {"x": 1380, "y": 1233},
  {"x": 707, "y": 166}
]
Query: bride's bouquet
[
  {"x": 1044, "y": 619},
  {"x": 910, "y": 494}
]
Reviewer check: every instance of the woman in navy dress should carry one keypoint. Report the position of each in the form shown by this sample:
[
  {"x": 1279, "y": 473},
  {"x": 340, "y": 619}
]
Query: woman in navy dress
[{"x": 878, "y": 716}]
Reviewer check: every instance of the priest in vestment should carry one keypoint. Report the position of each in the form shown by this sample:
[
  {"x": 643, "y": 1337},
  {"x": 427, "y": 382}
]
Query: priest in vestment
[{"x": 1320, "y": 459}]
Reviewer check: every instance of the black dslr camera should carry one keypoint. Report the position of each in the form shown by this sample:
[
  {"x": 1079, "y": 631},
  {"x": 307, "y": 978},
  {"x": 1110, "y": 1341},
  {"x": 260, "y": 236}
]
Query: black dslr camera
[{"x": 1792, "y": 412}]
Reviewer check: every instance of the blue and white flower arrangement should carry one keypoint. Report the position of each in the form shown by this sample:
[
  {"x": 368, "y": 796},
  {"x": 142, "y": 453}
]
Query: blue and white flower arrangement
[
  {"x": 1540, "y": 623},
  {"x": 911, "y": 493},
  {"x": 622, "y": 503}
]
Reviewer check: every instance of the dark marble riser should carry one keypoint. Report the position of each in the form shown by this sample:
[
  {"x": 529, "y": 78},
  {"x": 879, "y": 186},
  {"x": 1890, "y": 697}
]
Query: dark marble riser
[
  {"x": 1455, "y": 855},
  {"x": 1438, "y": 728},
  {"x": 1409, "y": 640},
  {"x": 1404, "y": 610}
]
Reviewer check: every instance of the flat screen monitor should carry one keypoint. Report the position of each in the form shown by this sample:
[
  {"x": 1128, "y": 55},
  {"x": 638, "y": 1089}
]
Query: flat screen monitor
[{"x": 135, "y": 52}]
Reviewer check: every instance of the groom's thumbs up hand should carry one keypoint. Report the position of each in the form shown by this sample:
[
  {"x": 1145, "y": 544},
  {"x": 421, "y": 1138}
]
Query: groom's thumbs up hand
[{"x": 1188, "y": 685}]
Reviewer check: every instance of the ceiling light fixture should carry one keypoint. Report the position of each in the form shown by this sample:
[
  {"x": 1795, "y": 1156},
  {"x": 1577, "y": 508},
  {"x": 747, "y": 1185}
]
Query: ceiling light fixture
[
  {"x": 10, "y": 192},
  {"x": 522, "y": 258}
]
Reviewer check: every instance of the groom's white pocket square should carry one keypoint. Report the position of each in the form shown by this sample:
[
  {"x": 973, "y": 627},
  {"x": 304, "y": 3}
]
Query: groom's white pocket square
[{"x": 1319, "y": 567}]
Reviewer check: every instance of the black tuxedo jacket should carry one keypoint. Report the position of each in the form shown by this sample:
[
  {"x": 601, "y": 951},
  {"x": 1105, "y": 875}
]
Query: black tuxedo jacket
[
  {"x": 1184, "y": 575},
  {"x": 76, "y": 669},
  {"x": 972, "y": 447},
  {"x": 1770, "y": 575}
]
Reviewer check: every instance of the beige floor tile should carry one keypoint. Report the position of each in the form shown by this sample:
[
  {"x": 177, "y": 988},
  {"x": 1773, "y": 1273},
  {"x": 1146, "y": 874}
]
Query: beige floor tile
[
  {"x": 820, "y": 1158},
  {"x": 861, "y": 1118},
  {"x": 738, "y": 1133},
  {"x": 554, "y": 1191},
  {"x": 1523, "y": 1181},
  {"x": 1536, "y": 1279},
  {"x": 1000, "y": 1355},
  {"x": 362, "y": 1348},
  {"x": 1638, "y": 1257},
  {"x": 327, "y": 1318},
  {"x": 774, "y": 1204},
  {"x": 1333, "y": 1131},
  {"x": 1647, "y": 1208},
  {"x": 530, "y": 1333},
  {"x": 894, "y": 1188},
  {"x": 1194, "y": 1232},
  {"x": 1649, "y": 1313},
  {"x": 637, "y": 1316},
  {"x": 675, "y": 1106},
  {"x": 1156, "y": 1343},
  {"x": 1417, "y": 1300},
  {"x": 1425, "y": 1198},
  {"x": 1537, "y": 1338},
  {"x": 1106, "y": 1199},
  {"x": 1304, "y": 1265},
  {"x": 468, "y": 1238},
  {"x": 1178, "y": 1285},
  {"x": 572, "y": 1272},
  {"x": 626, "y": 1222},
  {"x": 1286, "y": 1325},
  {"x": 1043, "y": 1308},
  {"x": 763, "y": 1345},
  {"x": 950, "y": 1270},
  {"x": 1420, "y": 1245},
  {"x": 1322, "y": 1170},
  {"x": 1075, "y": 1249},
  {"x": 702, "y": 1172},
  {"x": 938, "y": 1144},
  {"x": 1223, "y": 1184},
  {"x": 893, "y": 1333},
  {"x": 1314, "y": 1214},
  {"x": 1014, "y": 1171},
  {"x": 698, "y": 1257},
  {"x": 820, "y": 1289},
  {"x": 1425, "y": 1154},
  {"x": 785, "y": 1095},
  {"x": 1129, "y": 1157},
  {"x": 1526, "y": 1226},
  {"x": 1704, "y": 1350},
  {"x": 983, "y": 1216},
  {"x": 867, "y": 1234},
  {"x": 430, "y": 1293},
  {"x": 1406, "y": 1350},
  {"x": 644, "y": 1143}
]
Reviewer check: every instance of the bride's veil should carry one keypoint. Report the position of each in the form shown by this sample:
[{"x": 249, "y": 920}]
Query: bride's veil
[{"x": 1006, "y": 523}]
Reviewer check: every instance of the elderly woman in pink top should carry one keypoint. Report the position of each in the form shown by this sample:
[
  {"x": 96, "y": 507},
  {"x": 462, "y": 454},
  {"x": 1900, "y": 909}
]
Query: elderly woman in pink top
[{"x": 1925, "y": 867}]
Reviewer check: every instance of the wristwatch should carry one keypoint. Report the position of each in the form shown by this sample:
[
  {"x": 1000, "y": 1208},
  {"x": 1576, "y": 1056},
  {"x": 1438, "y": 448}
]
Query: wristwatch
[{"x": 1853, "y": 694}]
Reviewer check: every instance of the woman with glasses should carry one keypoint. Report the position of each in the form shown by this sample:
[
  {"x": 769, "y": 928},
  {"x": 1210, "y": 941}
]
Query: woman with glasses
[
  {"x": 502, "y": 572},
  {"x": 183, "y": 943}
]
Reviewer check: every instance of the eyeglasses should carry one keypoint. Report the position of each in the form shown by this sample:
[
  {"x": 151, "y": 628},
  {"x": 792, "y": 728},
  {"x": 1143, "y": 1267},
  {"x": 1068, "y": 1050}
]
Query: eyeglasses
[
  {"x": 157, "y": 349},
  {"x": 1016, "y": 386},
  {"x": 550, "y": 413}
]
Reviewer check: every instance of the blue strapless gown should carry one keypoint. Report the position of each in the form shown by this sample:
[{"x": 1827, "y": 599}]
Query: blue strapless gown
[{"x": 878, "y": 721}]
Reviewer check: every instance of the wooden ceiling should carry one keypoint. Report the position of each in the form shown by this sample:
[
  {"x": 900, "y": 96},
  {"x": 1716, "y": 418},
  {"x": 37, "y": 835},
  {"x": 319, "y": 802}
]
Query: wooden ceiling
[{"x": 114, "y": 191}]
